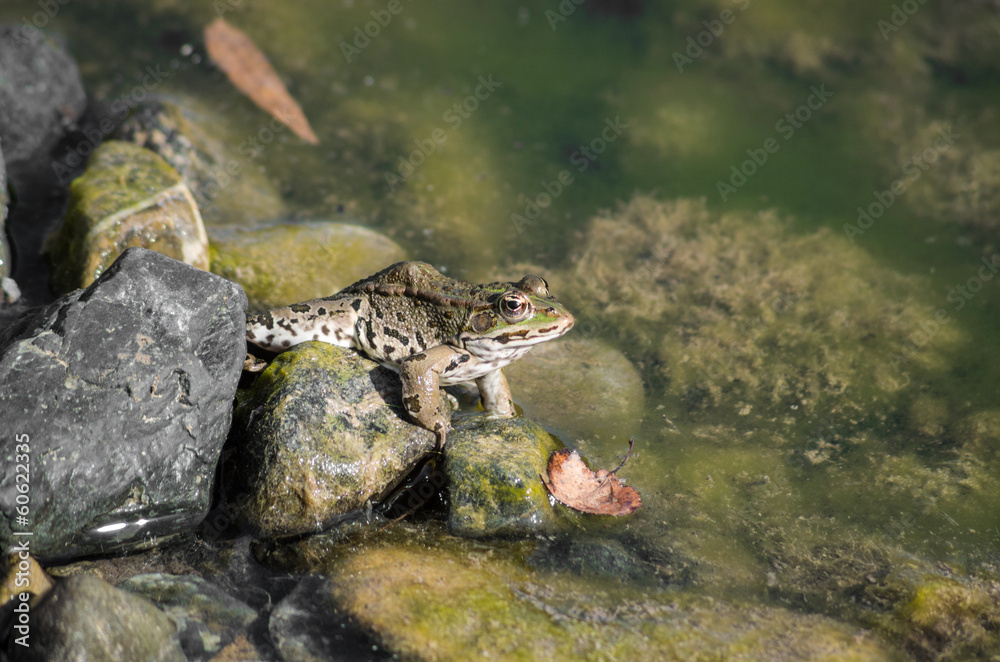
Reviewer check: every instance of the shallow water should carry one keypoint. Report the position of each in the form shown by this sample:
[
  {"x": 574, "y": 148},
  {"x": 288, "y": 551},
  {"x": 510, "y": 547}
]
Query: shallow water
[{"x": 736, "y": 493}]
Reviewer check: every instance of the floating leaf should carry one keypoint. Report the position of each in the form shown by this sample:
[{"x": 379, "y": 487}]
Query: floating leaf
[
  {"x": 248, "y": 69},
  {"x": 602, "y": 493}
]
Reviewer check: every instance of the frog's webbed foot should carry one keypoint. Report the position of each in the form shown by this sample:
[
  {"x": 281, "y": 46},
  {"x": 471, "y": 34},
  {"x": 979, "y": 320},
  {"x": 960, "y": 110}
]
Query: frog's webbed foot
[{"x": 253, "y": 364}]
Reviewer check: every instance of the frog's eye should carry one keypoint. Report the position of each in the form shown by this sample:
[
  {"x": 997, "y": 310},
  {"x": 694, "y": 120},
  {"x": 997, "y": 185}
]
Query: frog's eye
[
  {"x": 534, "y": 285},
  {"x": 514, "y": 306}
]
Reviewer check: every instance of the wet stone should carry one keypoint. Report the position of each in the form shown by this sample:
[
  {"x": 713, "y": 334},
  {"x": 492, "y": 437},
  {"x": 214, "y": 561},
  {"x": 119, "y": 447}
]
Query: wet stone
[
  {"x": 85, "y": 618},
  {"x": 128, "y": 196},
  {"x": 604, "y": 386},
  {"x": 493, "y": 467},
  {"x": 207, "y": 617},
  {"x": 5, "y": 266},
  {"x": 148, "y": 357},
  {"x": 320, "y": 434}
]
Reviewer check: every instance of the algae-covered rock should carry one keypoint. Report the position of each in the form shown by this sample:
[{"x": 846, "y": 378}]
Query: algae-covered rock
[
  {"x": 603, "y": 386},
  {"x": 127, "y": 197},
  {"x": 207, "y": 617},
  {"x": 953, "y": 619},
  {"x": 434, "y": 598},
  {"x": 761, "y": 322},
  {"x": 321, "y": 433},
  {"x": 85, "y": 618},
  {"x": 294, "y": 262},
  {"x": 494, "y": 468},
  {"x": 221, "y": 170},
  {"x": 933, "y": 609}
]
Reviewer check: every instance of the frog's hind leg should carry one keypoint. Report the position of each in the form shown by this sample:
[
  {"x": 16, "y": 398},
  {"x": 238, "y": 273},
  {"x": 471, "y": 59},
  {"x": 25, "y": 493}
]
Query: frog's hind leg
[{"x": 325, "y": 320}]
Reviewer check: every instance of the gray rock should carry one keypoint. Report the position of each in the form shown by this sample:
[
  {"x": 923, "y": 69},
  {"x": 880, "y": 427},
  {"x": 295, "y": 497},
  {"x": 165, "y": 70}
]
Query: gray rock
[
  {"x": 320, "y": 434},
  {"x": 307, "y": 625},
  {"x": 207, "y": 617},
  {"x": 4, "y": 202},
  {"x": 41, "y": 93},
  {"x": 85, "y": 618},
  {"x": 494, "y": 468},
  {"x": 122, "y": 394}
]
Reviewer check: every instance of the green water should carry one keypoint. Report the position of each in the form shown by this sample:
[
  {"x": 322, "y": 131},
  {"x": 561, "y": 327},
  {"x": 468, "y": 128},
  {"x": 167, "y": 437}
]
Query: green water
[{"x": 725, "y": 486}]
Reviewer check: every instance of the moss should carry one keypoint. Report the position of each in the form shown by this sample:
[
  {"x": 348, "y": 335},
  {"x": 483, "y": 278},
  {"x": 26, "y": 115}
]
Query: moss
[
  {"x": 288, "y": 263},
  {"x": 762, "y": 323},
  {"x": 493, "y": 467},
  {"x": 438, "y": 599},
  {"x": 128, "y": 196},
  {"x": 951, "y": 620}
]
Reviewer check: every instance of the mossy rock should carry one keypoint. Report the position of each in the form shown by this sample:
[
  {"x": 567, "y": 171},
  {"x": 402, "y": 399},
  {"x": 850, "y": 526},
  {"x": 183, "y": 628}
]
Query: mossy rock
[
  {"x": 127, "y": 197},
  {"x": 207, "y": 617},
  {"x": 288, "y": 263},
  {"x": 494, "y": 469},
  {"x": 432, "y": 597},
  {"x": 764, "y": 325},
  {"x": 320, "y": 434},
  {"x": 217, "y": 164}
]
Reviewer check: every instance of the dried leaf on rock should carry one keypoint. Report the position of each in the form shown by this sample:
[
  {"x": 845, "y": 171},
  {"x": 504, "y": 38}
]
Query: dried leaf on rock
[
  {"x": 248, "y": 69},
  {"x": 602, "y": 493}
]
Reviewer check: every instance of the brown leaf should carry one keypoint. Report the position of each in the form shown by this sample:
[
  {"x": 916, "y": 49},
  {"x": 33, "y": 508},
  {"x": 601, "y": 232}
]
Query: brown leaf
[
  {"x": 575, "y": 485},
  {"x": 248, "y": 69}
]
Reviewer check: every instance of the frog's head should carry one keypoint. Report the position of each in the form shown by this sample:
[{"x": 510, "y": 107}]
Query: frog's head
[{"x": 513, "y": 319}]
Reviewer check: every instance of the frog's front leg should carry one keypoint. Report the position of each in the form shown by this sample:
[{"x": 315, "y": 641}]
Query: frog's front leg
[
  {"x": 421, "y": 377},
  {"x": 495, "y": 394}
]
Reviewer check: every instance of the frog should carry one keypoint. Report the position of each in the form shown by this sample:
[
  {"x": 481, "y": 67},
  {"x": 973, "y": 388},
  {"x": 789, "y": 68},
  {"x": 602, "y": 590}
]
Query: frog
[{"x": 431, "y": 329}]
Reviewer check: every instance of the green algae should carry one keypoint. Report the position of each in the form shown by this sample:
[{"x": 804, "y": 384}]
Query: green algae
[
  {"x": 414, "y": 584},
  {"x": 288, "y": 263},
  {"x": 127, "y": 197},
  {"x": 494, "y": 469}
]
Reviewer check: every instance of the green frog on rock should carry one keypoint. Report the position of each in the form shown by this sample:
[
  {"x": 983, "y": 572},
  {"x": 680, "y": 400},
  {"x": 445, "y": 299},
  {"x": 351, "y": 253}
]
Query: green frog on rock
[{"x": 431, "y": 329}]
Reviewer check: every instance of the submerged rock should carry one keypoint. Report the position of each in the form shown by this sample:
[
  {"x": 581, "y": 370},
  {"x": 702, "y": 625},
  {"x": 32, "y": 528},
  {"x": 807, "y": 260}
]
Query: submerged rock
[
  {"x": 434, "y": 597},
  {"x": 127, "y": 197},
  {"x": 308, "y": 625},
  {"x": 41, "y": 93},
  {"x": 604, "y": 387},
  {"x": 755, "y": 333},
  {"x": 227, "y": 185},
  {"x": 494, "y": 468},
  {"x": 85, "y": 618},
  {"x": 288, "y": 263},
  {"x": 122, "y": 394},
  {"x": 321, "y": 433},
  {"x": 207, "y": 617}
]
